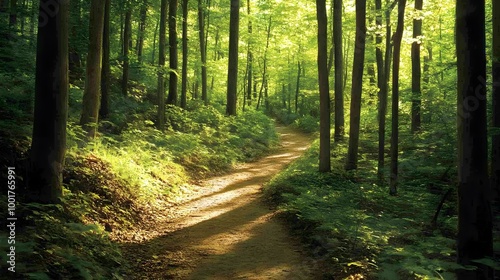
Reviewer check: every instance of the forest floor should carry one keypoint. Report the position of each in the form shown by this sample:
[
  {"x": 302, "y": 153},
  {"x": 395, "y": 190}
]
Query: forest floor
[{"x": 223, "y": 229}]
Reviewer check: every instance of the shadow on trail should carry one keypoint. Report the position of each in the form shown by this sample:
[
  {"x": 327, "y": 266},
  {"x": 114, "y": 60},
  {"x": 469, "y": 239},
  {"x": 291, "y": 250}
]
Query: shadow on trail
[{"x": 228, "y": 233}]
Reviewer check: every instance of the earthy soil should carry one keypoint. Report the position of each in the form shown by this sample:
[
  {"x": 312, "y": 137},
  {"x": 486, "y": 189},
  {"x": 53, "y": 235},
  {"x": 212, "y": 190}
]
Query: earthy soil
[{"x": 223, "y": 229}]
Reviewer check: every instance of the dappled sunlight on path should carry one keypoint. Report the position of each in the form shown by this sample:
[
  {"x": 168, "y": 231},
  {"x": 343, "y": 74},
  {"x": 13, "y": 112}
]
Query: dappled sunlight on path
[{"x": 224, "y": 231}]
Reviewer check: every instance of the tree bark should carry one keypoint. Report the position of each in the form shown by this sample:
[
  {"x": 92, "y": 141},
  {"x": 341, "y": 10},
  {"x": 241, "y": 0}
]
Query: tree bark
[
  {"x": 106, "y": 71},
  {"x": 203, "y": 52},
  {"x": 495, "y": 163},
  {"x": 126, "y": 47},
  {"x": 90, "y": 108},
  {"x": 161, "y": 66},
  {"x": 297, "y": 88},
  {"x": 474, "y": 240},
  {"x": 48, "y": 146},
  {"x": 324, "y": 96},
  {"x": 173, "y": 58},
  {"x": 13, "y": 14},
  {"x": 142, "y": 30},
  {"x": 382, "y": 94},
  {"x": 357, "y": 85},
  {"x": 232, "y": 72},
  {"x": 339, "y": 64},
  {"x": 416, "y": 72},
  {"x": 249, "y": 57},
  {"x": 398, "y": 36},
  {"x": 184, "y": 53}
]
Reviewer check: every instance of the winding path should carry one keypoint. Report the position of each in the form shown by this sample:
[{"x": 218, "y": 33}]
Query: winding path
[{"x": 224, "y": 230}]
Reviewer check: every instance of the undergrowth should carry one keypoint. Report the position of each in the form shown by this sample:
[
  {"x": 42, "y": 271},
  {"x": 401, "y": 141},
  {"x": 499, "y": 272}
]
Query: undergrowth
[
  {"x": 354, "y": 227},
  {"x": 118, "y": 180}
]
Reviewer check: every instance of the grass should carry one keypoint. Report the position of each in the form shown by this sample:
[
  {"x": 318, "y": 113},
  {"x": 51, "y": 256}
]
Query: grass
[
  {"x": 355, "y": 228},
  {"x": 121, "y": 178}
]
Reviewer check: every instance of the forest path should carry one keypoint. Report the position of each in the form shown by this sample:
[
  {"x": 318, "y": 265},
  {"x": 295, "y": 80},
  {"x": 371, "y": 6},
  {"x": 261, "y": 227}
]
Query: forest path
[{"x": 224, "y": 230}]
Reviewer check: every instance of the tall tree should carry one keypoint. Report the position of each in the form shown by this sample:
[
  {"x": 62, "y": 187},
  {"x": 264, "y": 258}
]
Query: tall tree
[
  {"x": 475, "y": 240},
  {"x": 339, "y": 64},
  {"x": 382, "y": 93},
  {"x": 495, "y": 162},
  {"x": 142, "y": 29},
  {"x": 416, "y": 71},
  {"x": 106, "y": 70},
  {"x": 249, "y": 57},
  {"x": 232, "y": 70},
  {"x": 173, "y": 57},
  {"x": 161, "y": 66},
  {"x": 184, "y": 53},
  {"x": 324, "y": 96},
  {"x": 48, "y": 145},
  {"x": 13, "y": 14},
  {"x": 203, "y": 51},
  {"x": 398, "y": 36},
  {"x": 126, "y": 48},
  {"x": 357, "y": 85},
  {"x": 90, "y": 108}
]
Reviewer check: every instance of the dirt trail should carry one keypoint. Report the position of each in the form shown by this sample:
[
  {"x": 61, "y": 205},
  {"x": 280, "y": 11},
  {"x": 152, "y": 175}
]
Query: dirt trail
[{"x": 224, "y": 230}]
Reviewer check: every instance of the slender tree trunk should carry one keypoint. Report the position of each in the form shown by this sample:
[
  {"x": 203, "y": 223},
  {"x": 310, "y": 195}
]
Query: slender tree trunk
[
  {"x": 339, "y": 71},
  {"x": 13, "y": 14},
  {"x": 126, "y": 47},
  {"x": 475, "y": 239},
  {"x": 264, "y": 67},
  {"x": 90, "y": 108},
  {"x": 249, "y": 57},
  {"x": 357, "y": 83},
  {"x": 297, "y": 88},
  {"x": 173, "y": 58},
  {"x": 398, "y": 36},
  {"x": 48, "y": 146},
  {"x": 154, "y": 42},
  {"x": 232, "y": 73},
  {"x": 495, "y": 156},
  {"x": 426, "y": 80},
  {"x": 184, "y": 53},
  {"x": 106, "y": 71},
  {"x": 203, "y": 52},
  {"x": 324, "y": 96},
  {"x": 382, "y": 94},
  {"x": 161, "y": 66},
  {"x": 416, "y": 72},
  {"x": 142, "y": 30}
]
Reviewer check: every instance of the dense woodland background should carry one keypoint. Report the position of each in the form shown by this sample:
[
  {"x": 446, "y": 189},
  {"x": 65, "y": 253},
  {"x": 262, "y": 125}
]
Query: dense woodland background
[{"x": 109, "y": 109}]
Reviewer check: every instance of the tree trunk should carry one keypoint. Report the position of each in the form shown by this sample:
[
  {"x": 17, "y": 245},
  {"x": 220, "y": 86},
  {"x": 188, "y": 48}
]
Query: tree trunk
[
  {"x": 324, "y": 96},
  {"x": 126, "y": 47},
  {"x": 382, "y": 94},
  {"x": 48, "y": 146},
  {"x": 416, "y": 72},
  {"x": 161, "y": 66},
  {"x": 297, "y": 88},
  {"x": 264, "y": 67},
  {"x": 142, "y": 30},
  {"x": 203, "y": 52},
  {"x": 249, "y": 57},
  {"x": 474, "y": 240},
  {"x": 90, "y": 108},
  {"x": 154, "y": 42},
  {"x": 232, "y": 71},
  {"x": 357, "y": 85},
  {"x": 339, "y": 71},
  {"x": 106, "y": 71},
  {"x": 495, "y": 156},
  {"x": 13, "y": 15},
  {"x": 398, "y": 36},
  {"x": 184, "y": 53},
  {"x": 173, "y": 58}
]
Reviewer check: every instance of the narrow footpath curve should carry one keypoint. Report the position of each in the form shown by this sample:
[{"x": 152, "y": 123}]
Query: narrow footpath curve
[{"x": 224, "y": 230}]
